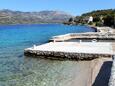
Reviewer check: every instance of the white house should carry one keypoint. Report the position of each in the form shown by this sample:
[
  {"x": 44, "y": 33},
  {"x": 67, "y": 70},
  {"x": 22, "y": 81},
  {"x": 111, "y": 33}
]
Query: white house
[{"x": 90, "y": 19}]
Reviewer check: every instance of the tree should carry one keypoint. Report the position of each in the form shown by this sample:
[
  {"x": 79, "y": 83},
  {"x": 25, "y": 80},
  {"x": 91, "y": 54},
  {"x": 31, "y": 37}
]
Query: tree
[
  {"x": 109, "y": 20},
  {"x": 71, "y": 20}
]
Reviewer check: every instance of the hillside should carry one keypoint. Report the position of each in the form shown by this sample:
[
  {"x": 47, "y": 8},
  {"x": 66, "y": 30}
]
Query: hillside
[
  {"x": 18, "y": 17},
  {"x": 100, "y": 18}
]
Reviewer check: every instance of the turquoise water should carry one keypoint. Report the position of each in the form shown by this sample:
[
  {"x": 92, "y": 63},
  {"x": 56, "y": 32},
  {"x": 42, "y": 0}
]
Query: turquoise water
[{"x": 18, "y": 70}]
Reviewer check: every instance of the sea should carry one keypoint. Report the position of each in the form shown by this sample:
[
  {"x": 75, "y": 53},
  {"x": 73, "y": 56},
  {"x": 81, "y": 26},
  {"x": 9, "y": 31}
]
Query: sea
[{"x": 19, "y": 70}]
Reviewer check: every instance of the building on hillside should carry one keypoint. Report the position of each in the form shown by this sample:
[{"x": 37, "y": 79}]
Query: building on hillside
[{"x": 90, "y": 19}]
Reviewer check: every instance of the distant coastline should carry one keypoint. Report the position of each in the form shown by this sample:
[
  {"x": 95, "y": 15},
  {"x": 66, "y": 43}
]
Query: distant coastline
[
  {"x": 18, "y": 17},
  {"x": 30, "y": 24}
]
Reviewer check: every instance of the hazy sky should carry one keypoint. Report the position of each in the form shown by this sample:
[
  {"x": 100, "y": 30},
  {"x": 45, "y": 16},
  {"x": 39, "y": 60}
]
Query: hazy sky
[{"x": 75, "y": 7}]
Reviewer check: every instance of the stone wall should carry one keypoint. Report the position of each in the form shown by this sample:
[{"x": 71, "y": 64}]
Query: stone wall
[{"x": 65, "y": 55}]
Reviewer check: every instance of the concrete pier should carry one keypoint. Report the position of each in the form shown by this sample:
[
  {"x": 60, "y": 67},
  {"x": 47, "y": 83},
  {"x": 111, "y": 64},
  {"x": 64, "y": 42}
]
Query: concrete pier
[
  {"x": 87, "y": 35},
  {"x": 72, "y": 50},
  {"x": 103, "y": 33}
]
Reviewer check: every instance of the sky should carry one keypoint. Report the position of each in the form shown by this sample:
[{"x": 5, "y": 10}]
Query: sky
[{"x": 74, "y": 7}]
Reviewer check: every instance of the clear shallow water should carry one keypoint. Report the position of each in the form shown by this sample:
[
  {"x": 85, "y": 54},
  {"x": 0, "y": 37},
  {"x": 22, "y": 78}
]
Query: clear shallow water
[{"x": 18, "y": 70}]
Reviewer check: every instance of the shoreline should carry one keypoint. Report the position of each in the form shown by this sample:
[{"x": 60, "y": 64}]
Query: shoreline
[{"x": 99, "y": 68}]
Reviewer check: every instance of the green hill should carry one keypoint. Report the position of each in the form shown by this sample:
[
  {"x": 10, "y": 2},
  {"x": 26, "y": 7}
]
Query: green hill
[{"x": 100, "y": 18}]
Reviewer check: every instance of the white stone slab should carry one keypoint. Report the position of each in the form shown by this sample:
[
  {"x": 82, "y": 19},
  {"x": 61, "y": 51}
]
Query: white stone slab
[{"x": 76, "y": 47}]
